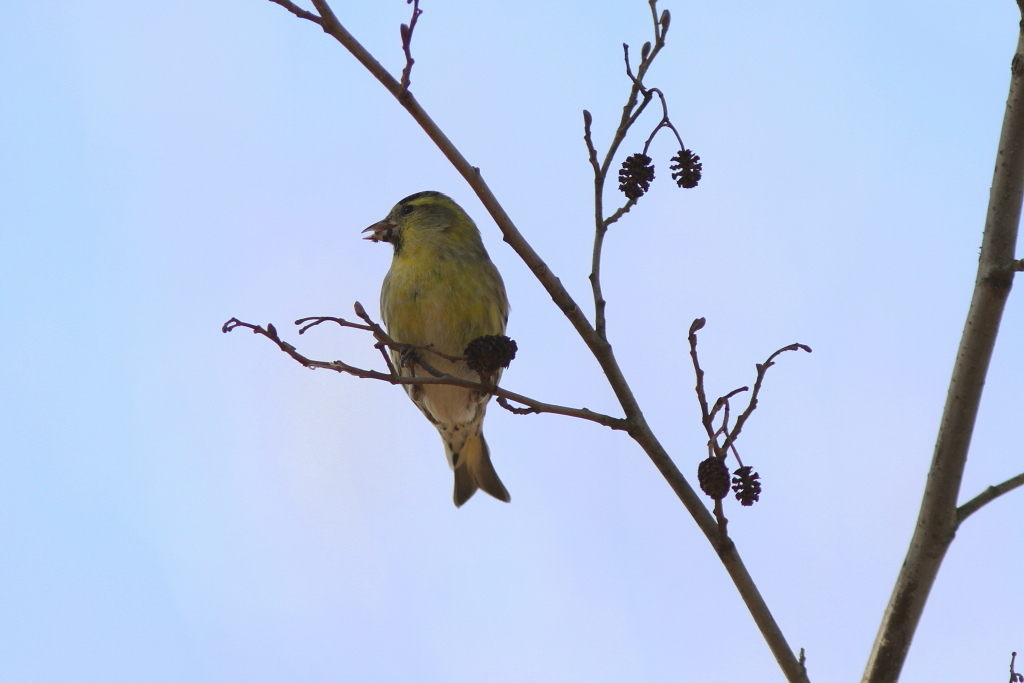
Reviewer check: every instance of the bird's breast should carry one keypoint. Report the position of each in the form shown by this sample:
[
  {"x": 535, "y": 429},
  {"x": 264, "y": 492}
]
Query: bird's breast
[{"x": 444, "y": 306}]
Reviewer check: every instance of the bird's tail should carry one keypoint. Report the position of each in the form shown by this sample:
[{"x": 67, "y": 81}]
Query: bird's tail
[{"x": 474, "y": 471}]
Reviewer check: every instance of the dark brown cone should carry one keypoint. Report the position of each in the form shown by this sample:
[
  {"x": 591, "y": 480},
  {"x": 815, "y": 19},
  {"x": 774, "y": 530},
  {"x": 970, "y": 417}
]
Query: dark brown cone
[
  {"x": 686, "y": 169},
  {"x": 713, "y": 477},
  {"x": 746, "y": 485},
  {"x": 636, "y": 175},
  {"x": 488, "y": 353}
]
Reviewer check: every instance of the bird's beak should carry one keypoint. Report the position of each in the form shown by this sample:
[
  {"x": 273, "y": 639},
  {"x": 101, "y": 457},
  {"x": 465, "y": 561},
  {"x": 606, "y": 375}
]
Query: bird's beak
[{"x": 381, "y": 231}]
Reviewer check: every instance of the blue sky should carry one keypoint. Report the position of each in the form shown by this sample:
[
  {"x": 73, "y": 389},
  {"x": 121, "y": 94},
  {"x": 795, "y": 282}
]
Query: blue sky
[{"x": 177, "y": 504}]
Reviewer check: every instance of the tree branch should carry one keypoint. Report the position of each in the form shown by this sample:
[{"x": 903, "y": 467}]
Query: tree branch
[
  {"x": 708, "y": 416},
  {"x": 705, "y": 414},
  {"x": 407, "y": 30},
  {"x": 636, "y": 102},
  {"x": 986, "y": 497},
  {"x": 393, "y": 377},
  {"x": 762, "y": 369},
  {"x": 298, "y": 11},
  {"x": 938, "y": 518},
  {"x": 630, "y": 113},
  {"x": 1014, "y": 676},
  {"x": 635, "y": 422}
]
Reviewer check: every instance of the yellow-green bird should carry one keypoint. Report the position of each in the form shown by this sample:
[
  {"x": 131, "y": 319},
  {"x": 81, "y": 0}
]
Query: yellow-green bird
[{"x": 442, "y": 290}]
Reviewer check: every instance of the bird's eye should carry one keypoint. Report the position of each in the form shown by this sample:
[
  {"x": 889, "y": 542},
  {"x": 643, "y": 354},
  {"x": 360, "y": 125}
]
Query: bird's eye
[{"x": 407, "y": 209}]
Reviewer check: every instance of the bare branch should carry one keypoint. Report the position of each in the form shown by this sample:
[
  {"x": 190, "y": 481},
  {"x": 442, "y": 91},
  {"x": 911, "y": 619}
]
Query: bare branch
[
  {"x": 393, "y": 377},
  {"x": 320, "y": 319},
  {"x": 745, "y": 482},
  {"x": 639, "y": 97},
  {"x": 270, "y": 332},
  {"x": 665, "y": 122},
  {"x": 986, "y": 497},
  {"x": 762, "y": 369},
  {"x": 588, "y": 121},
  {"x": 595, "y": 269},
  {"x": 632, "y": 110},
  {"x": 384, "y": 340},
  {"x": 731, "y": 433},
  {"x": 939, "y": 515},
  {"x": 637, "y": 426},
  {"x": 634, "y": 106},
  {"x": 701, "y": 396},
  {"x": 723, "y": 522},
  {"x": 723, "y": 404},
  {"x": 1014, "y": 676},
  {"x": 619, "y": 213},
  {"x": 407, "y": 30},
  {"x": 536, "y": 408},
  {"x": 298, "y": 11}
]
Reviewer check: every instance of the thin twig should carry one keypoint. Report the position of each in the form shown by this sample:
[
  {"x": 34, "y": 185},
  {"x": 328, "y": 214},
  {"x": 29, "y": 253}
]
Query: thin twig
[
  {"x": 762, "y": 369},
  {"x": 665, "y": 122},
  {"x": 406, "y": 31},
  {"x": 438, "y": 377},
  {"x": 736, "y": 454},
  {"x": 632, "y": 110},
  {"x": 383, "y": 340},
  {"x": 708, "y": 416},
  {"x": 986, "y": 497},
  {"x": 619, "y": 213},
  {"x": 705, "y": 414},
  {"x": 723, "y": 523},
  {"x": 536, "y": 407},
  {"x": 588, "y": 122},
  {"x": 636, "y": 423},
  {"x": 320, "y": 319},
  {"x": 369, "y": 325},
  {"x": 298, "y": 11},
  {"x": 723, "y": 403}
]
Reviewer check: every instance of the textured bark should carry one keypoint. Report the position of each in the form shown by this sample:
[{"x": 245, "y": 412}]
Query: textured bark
[{"x": 938, "y": 518}]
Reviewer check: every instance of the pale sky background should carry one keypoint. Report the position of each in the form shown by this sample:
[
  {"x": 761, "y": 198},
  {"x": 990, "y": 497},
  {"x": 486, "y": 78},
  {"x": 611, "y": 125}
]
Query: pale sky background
[{"x": 181, "y": 505}]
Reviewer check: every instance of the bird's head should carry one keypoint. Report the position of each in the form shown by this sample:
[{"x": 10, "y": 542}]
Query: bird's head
[{"x": 425, "y": 216}]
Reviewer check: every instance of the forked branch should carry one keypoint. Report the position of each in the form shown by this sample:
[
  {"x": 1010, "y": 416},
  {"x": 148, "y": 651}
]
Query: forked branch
[
  {"x": 298, "y": 11},
  {"x": 637, "y": 172},
  {"x": 712, "y": 473},
  {"x": 385, "y": 343},
  {"x": 731, "y": 433},
  {"x": 634, "y": 422},
  {"x": 939, "y": 516},
  {"x": 987, "y": 496},
  {"x": 406, "y": 32}
]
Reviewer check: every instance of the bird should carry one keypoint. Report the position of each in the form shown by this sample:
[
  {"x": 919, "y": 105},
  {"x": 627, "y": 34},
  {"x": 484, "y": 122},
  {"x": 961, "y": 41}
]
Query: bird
[{"x": 443, "y": 291}]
